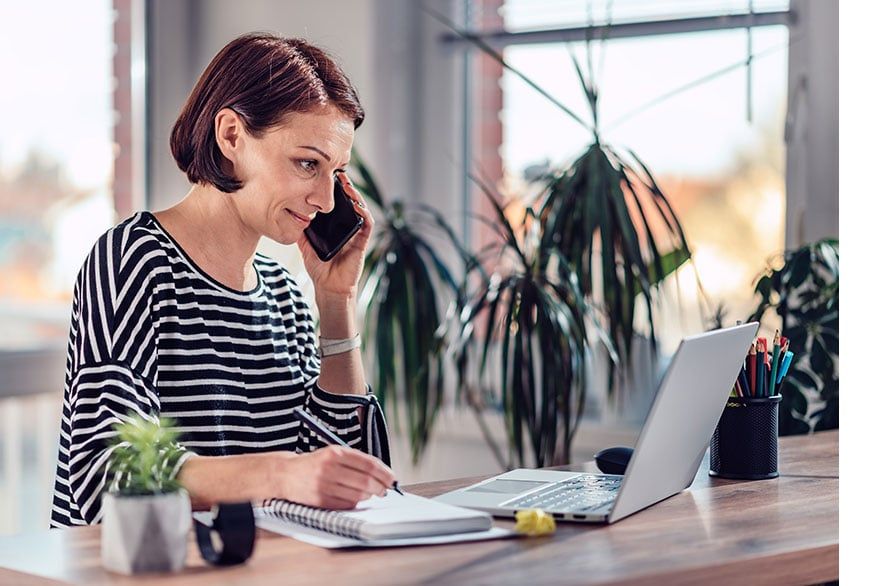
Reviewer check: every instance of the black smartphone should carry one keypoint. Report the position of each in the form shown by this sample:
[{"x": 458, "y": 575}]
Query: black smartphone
[{"x": 328, "y": 233}]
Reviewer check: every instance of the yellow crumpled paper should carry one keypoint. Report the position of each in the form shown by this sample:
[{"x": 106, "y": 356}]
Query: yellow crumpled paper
[{"x": 534, "y": 522}]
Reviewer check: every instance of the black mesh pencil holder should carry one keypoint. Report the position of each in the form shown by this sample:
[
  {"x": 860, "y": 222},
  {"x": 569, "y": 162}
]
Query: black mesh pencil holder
[{"x": 745, "y": 441}]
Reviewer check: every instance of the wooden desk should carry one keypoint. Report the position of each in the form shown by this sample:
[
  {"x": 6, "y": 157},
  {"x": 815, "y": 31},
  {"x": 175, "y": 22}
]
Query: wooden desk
[{"x": 781, "y": 531}]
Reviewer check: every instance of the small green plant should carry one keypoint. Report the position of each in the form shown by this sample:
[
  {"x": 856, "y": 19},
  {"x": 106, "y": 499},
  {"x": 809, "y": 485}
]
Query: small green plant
[{"x": 144, "y": 457}]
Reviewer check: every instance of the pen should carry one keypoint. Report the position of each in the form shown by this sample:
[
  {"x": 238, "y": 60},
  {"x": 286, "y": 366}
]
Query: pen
[
  {"x": 785, "y": 349},
  {"x": 785, "y": 365},
  {"x": 325, "y": 434}
]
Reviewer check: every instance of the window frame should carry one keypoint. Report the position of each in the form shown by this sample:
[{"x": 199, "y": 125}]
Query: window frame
[{"x": 809, "y": 215}]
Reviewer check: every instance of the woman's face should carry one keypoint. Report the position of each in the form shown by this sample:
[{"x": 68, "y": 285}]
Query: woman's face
[{"x": 288, "y": 174}]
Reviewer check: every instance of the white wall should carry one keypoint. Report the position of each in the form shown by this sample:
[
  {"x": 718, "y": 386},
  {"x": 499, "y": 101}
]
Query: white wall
[
  {"x": 171, "y": 67},
  {"x": 812, "y": 131}
]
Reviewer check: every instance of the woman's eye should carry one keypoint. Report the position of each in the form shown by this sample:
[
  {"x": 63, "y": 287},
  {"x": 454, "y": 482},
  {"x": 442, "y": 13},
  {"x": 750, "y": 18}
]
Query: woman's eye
[{"x": 308, "y": 165}]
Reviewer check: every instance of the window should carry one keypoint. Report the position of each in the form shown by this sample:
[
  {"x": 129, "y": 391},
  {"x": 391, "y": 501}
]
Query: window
[
  {"x": 56, "y": 173},
  {"x": 680, "y": 102},
  {"x": 56, "y": 157}
]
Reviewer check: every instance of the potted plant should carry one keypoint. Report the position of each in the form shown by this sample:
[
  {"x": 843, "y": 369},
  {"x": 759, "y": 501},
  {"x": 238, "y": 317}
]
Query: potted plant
[
  {"x": 599, "y": 199},
  {"x": 536, "y": 337},
  {"x": 406, "y": 288},
  {"x": 146, "y": 513},
  {"x": 804, "y": 293},
  {"x": 608, "y": 217}
]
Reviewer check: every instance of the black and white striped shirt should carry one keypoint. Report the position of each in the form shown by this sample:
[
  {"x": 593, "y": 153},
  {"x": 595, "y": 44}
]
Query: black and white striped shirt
[{"x": 152, "y": 333}]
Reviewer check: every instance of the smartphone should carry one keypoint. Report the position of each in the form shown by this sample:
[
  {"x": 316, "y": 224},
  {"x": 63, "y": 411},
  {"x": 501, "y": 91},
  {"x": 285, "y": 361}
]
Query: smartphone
[{"x": 328, "y": 233}]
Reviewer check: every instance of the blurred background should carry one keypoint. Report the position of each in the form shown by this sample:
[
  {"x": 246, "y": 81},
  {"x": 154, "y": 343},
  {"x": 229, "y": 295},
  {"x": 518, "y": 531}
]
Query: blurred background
[{"x": 731, "y": 103}]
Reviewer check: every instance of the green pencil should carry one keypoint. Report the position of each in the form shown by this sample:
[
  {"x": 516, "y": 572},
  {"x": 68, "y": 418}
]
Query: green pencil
[{"x": 776, "y": 346}]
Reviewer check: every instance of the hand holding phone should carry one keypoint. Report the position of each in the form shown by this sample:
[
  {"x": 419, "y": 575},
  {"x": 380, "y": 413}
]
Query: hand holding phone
[{"x": 328, "y": 233}]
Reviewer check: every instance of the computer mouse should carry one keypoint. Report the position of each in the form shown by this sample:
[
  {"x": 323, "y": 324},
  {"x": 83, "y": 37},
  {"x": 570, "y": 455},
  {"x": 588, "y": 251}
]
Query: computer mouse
[{"x": 613, "y": 460}]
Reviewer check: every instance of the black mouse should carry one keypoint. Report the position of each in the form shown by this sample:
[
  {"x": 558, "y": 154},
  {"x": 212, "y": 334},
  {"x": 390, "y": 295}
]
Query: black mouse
[{"x": 613, "y": 460}]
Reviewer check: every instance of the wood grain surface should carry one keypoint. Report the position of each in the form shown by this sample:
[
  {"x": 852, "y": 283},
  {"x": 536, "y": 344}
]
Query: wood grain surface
[{"x": 779, "y": 531}]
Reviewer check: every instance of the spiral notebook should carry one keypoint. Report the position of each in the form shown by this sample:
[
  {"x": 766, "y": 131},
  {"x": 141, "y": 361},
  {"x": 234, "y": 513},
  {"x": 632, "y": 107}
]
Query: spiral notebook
[{"x": 387, "y": 518}]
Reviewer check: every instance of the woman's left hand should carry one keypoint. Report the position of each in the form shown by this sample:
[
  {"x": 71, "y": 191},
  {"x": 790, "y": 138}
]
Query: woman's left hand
[{"x": 340, "y": 276}]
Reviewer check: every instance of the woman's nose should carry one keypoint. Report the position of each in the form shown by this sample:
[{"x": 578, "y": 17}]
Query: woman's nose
[{"x": 323, "y": 198}]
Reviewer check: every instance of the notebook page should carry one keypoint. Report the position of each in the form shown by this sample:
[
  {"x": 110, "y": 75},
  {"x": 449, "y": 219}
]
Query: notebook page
[
  {"x": 391, "y": 516},
  {"x": 408, "y": 515}
]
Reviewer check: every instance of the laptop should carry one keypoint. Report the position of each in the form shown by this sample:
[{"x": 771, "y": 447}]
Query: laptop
[{"x": 667, "y": 455}]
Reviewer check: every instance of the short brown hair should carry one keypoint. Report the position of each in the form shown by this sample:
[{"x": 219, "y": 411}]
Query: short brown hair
[{"x": 262, "y": 77}]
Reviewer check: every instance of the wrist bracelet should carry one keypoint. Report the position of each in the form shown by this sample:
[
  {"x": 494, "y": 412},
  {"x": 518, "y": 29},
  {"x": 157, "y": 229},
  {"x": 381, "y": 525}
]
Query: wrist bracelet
[{"x": 330, "y": 347}]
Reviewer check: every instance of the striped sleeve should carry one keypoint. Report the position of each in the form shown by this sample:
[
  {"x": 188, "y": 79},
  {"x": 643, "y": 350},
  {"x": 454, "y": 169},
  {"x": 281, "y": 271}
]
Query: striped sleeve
[
  {"x": 103, "y": 395},
  {"x": 339, "y": 412},
  {"x": 111, "y": 346}
]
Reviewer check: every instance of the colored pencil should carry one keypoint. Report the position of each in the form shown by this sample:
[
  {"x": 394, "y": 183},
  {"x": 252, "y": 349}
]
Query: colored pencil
[
  {"x": 752, "y": 366},
  {"x": 760, "y": 367},
  {"x": 743, "y": 383}
]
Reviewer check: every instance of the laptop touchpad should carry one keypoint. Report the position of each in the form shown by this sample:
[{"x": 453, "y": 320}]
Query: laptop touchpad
[{"x": 507, "y": 486}]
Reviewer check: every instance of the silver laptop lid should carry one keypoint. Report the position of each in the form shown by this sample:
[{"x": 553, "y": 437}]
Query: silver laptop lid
[{"x": 685, "y": 411}]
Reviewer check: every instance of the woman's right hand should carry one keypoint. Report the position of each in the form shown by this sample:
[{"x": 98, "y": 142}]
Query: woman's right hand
[{"x": 334, "y": 477}]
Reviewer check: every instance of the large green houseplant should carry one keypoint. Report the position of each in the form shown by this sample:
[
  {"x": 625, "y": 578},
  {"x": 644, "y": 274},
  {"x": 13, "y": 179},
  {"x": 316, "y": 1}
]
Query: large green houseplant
[
  {"x": 804, "y": 293},
  {"x": 535, "y": 306},
  {"x": 609, "y": 217},
  {"x": 597, "y": 211},
  {"x": 533, "y": 323},
  {"x": 146, "y": 513},
  {"x": 406, "y": 288},
  {"x": 596, "y": 208}
]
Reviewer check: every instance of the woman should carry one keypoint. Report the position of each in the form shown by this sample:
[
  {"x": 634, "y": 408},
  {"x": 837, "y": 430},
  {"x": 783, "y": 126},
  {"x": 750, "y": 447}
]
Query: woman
[{"x": 176, "y": 314}]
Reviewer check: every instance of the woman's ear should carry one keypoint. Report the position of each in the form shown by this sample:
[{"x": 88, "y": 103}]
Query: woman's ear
[{"x": 229, "y": 131}]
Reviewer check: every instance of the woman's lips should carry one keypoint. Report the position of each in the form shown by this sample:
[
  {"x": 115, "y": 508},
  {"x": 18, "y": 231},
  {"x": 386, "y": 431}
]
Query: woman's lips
[{"x": 301, "y": 219}]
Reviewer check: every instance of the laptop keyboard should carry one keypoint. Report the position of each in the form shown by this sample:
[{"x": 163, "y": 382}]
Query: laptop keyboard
[{"x": 589, "y": 492}]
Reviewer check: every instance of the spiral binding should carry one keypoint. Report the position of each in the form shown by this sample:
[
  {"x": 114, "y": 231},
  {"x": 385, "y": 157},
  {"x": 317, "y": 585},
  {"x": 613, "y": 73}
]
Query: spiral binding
[{"x": 336, "y": 522}]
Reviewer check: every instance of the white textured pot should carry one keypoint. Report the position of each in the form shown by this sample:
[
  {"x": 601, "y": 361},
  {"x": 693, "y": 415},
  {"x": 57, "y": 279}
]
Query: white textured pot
[{"x": 145, "y": 533}]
